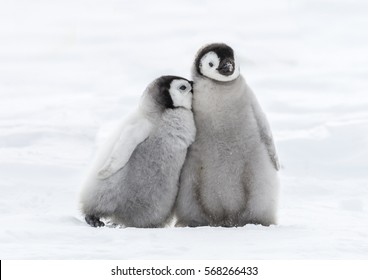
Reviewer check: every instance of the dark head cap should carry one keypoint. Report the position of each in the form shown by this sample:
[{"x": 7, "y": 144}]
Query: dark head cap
[
  {"x": 171, "y": 92},
  {"x": 217, "y": 61}
]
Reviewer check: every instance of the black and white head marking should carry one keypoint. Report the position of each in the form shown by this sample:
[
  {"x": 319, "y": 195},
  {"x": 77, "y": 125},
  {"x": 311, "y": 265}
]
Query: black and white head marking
[
  {"x": 217, "y": 61},
  {"x": 174, "y": 92}
]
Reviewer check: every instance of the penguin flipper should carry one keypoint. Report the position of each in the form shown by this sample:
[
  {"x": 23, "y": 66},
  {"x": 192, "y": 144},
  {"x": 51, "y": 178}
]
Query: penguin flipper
[
  {"x": 266, "y": 135},
  {"x": 132, "y": 134}
]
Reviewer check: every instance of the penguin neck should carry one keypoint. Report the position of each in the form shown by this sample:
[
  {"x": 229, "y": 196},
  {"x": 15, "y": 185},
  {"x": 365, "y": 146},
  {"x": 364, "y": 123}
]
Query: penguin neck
[
  {"x": 211, "y": 98},
  {"x": 150, "y": 109},
  {"x": 216, "y": 89}
]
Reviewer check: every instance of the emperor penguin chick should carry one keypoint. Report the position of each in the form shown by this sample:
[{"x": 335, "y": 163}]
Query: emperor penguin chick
[
  {"x": 134, "y": 181},
  {"x": 229, "y": 177}
]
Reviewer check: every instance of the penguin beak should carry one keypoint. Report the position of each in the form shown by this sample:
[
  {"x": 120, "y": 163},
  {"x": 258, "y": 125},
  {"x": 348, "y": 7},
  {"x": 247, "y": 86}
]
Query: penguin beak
[
  {"x": 226, "y": 67},
  {"x": 191, "y": 85}
]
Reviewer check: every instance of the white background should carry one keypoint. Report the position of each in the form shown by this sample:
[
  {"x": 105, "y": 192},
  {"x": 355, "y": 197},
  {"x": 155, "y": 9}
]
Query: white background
[{"x": 69, "y": 70}]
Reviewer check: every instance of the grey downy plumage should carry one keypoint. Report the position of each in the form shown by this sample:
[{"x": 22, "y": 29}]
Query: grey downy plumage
[
  {"x": 134, "y": 181},
  {"x": 229, "y": 177}
]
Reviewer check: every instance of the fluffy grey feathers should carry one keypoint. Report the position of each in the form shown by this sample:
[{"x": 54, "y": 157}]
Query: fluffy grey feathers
[
  {"x": 136, "y": 181},
  {"x": 229, "y": 177}
]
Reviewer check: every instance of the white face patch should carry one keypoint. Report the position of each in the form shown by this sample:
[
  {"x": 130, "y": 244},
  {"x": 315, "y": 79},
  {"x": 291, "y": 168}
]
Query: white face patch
[
  {"x": 209, "y": 64},
  {"x": 180, "y": 92}
]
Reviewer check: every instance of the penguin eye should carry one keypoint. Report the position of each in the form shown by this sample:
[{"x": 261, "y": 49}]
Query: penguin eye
[
  {"x": 210, "y": 64},
  {"x": 183, "y": 87}
]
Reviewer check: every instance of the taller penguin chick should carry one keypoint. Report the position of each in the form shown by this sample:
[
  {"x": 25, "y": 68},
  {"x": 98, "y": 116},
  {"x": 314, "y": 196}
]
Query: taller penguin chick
[
  {"x": 135, "y": 179},
  {"x": 229, "y": 177}
]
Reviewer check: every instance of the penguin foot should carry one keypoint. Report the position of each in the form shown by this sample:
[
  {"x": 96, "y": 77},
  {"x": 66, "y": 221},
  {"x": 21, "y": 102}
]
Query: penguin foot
[
  {"x": 190, "y": 224},
  {"x": 94, "y": 221}
]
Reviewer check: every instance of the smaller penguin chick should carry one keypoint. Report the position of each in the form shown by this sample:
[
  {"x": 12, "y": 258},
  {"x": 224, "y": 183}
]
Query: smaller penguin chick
[{"x": 134, "y": 181}]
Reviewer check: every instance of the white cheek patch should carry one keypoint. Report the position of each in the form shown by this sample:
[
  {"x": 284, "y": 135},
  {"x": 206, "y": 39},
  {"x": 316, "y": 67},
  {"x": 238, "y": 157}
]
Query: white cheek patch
[
  {"x": 205, "y": 67},
  {"x": 211, "y": 72},
  {"x": 179, "y": 97}
]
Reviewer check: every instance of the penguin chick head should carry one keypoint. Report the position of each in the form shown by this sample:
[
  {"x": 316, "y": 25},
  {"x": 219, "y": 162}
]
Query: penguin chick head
[
  {"x": 217, "y": 62},
  {"x": 173, "y": 92}
]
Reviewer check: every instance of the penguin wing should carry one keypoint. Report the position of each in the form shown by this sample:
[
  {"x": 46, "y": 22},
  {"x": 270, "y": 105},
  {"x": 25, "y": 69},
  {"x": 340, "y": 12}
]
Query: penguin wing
[
  {"x": 266, "y": 134},
  {"x": 134, "y": 132}
]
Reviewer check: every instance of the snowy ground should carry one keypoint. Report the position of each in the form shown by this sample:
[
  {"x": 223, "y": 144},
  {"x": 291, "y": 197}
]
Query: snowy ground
[{"x": 70, "y": 69}]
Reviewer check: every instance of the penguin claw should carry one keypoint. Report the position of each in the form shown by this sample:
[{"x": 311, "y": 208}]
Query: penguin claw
[{"x": 94, "y": 221}]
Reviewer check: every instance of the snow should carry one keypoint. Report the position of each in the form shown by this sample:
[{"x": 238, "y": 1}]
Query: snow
[{"x": 69, "y": 70}]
